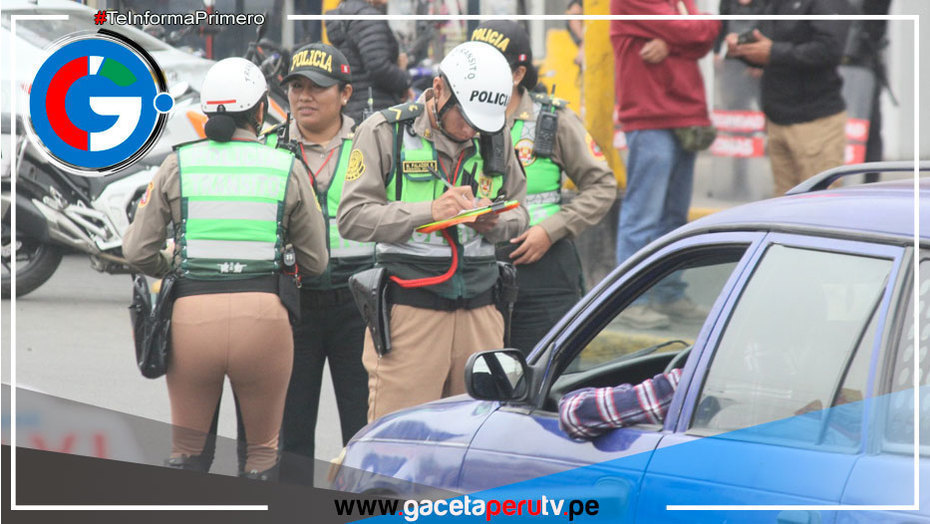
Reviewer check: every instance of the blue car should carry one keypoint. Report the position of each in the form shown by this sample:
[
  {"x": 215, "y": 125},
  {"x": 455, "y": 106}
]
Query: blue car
[{"x": 797, "y": 353}]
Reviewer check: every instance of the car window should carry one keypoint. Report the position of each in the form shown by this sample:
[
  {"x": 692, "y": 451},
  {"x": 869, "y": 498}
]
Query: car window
[
  {"x": 667, "y": 313},
  {"x": 799, "y": 340},
  {"x": 44, "y": 32},
  {"x": 899, "y": 426}
]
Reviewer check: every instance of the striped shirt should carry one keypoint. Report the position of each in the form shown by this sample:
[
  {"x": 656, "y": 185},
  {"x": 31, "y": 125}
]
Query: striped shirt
[{"x": 590, "y": 412}]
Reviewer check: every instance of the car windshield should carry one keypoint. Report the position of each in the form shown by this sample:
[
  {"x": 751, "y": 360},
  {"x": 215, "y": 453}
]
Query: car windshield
[{"x": 41, "y": 33}]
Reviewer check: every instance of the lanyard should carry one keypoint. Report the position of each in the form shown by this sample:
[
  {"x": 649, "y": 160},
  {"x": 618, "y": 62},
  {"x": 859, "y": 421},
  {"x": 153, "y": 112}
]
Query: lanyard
[
  {"x": 320, "y": 170},
  {"x": 458, "y": 165}
]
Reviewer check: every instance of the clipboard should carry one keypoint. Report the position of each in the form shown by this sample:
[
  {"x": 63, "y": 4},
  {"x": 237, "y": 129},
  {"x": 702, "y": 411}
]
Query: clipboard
[{"x": 469, "y": 215}]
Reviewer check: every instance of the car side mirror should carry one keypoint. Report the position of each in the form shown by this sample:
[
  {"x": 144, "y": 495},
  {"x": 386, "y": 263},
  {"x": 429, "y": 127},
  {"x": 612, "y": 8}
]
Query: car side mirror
[{"x": 497, "y": 375}]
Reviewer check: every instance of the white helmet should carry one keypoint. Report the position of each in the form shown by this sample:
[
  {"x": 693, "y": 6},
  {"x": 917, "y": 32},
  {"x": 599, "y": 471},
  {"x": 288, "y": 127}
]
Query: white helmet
[
  {"x": 480, "y": 80},
  {"x": 232, "y": 85}
]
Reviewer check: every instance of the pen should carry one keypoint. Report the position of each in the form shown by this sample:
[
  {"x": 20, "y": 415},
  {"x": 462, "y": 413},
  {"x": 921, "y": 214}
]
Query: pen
[{"x": 439, "y": 177}]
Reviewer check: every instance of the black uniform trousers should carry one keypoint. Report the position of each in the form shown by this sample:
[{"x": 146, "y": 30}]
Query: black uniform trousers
[
  {"x": 330, "y": 327},
  {"x": 548, "y": 288}
]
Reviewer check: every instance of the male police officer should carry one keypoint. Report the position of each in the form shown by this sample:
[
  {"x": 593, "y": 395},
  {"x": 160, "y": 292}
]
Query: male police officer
[
  {"x": 441, "y": 287},
  {"x": 331, "y": 328},
  {"x": 550, "y": 139}
]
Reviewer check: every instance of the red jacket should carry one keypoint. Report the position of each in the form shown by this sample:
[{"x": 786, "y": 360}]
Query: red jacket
[{"x": 668, "y": 94}]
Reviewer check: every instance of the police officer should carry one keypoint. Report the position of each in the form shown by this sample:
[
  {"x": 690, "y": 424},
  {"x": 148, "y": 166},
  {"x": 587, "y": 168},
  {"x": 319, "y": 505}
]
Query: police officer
[
  {"x": 331, "y": 327},
  {"x": 441, "y": 286},
  {"x": 234, "y": 204},
  {"x": 550, "y": 140}
]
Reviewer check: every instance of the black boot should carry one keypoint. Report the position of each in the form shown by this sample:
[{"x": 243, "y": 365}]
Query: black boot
[
  {"x": 189, "y": 462},
  {"x": 270, "y": 474}
]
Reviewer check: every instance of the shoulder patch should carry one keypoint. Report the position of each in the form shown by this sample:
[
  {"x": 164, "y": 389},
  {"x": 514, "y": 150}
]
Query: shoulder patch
[
  {"x": 147, "y": 195},
  {"x": 271, "y": 130},
  {"x": 356, "y": 165},
  {"x": 402, "y": 112},
  {"x": 544, "y": 98},
  {"x": 593, "y": 147}
]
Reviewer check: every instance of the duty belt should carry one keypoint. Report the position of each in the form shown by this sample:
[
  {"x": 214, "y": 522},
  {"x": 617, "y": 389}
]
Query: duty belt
[
  {"x": 325, "y": 297},
  {"x": 421, "y": 298}
]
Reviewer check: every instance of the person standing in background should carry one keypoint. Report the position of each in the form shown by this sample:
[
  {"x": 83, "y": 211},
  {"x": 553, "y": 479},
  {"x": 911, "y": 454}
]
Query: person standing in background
[
  {"x": 801, "y": 87},
  {"x": 659, "y": 90},
  {"x": 374, "y": 56}
]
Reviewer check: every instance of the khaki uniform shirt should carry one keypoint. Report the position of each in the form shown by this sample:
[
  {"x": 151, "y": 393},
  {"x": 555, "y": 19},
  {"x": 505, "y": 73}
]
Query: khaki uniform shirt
[
  {"x": 316, "y": 154},
  {"x": 577, "y": 154},
  {"x": 366, "y": 215},
  {"x": 303, "y": 220}
]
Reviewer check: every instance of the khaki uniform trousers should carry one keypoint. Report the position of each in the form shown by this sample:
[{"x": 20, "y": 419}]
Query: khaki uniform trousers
[
  {"x": 800, "y": 151},
  {"x": 246, "y": 336},
  {"x": 428, "y": 355}
]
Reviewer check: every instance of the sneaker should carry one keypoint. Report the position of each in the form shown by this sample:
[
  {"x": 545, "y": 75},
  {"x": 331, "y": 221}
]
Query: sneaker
[
  {"x": 683, "y": 308},
  {"x": 643, "y": 317}
]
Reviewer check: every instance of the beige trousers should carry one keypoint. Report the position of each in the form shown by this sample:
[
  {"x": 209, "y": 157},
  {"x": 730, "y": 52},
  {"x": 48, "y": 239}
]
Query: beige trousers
[
  {"x": 800, "y": 151},
  {"x": 246, "y": 336},
  {"x": 428, "y": 356}
]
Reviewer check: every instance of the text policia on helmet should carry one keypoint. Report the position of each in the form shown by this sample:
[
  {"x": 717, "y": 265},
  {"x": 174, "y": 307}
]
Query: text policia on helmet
[
  {"x": 487, "y": 96},
  {"x": 481, "y": 81}
]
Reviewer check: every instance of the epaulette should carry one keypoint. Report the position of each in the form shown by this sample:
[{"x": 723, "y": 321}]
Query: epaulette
[
  {"x": 544, "y": 98},
  {"x": 273, "y": 130},
  {"x": 402, "y": 112}
]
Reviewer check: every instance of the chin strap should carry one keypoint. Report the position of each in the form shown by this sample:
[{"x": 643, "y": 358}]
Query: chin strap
[
  {"x": 439, "y": 279},
  {"x": 450, "y": 103}
]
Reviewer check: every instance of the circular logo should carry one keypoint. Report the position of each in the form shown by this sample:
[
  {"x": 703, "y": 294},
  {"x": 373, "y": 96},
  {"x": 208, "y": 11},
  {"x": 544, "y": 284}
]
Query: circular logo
[
  {"x": 97, "y": 103},
  {"x": 525, "y": 150}
]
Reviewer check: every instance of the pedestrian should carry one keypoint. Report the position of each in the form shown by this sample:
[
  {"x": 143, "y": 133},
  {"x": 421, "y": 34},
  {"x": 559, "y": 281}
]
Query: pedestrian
[
  {"x": 374, "y": 56},
  {"x": 331, "y": 328},
  {"x": 442, "y": 283},
  {"x": 234, "y": 204},
  {"x": 662, "y": 107},
  {"x": 801, "y": 87},
  {"x": 549, "y": 272}
]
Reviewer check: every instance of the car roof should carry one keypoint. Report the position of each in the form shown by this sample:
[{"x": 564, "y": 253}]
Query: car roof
[{"x": 884, "y": 209}]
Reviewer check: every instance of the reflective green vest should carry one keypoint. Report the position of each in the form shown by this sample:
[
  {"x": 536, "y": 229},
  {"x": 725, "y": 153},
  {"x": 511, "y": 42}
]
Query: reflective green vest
[
  {"x": 346, "y": 257},
  {"x": 543, "y": 176},
  {"x": 232, "y": 204},
  {"x": 428, "y": 255}
]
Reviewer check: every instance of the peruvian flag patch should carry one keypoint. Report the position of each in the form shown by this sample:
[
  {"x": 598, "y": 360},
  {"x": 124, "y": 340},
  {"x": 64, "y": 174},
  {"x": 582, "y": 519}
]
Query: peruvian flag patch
[{"x": 344, "y": 68}]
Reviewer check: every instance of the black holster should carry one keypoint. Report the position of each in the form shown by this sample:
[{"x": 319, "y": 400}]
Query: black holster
[
  {"x": 369, "y": 289},
  {"x": 289, "y": 294},
  {"x": 289, "y": 286},
  {"x": 505, "y": 295}
]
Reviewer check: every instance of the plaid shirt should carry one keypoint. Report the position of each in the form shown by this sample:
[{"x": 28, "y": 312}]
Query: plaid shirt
[{"x": 590, "y": 412}]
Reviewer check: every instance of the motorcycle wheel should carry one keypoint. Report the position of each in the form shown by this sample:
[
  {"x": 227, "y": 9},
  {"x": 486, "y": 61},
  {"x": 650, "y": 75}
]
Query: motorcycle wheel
[{"x": 35, "y": 263}]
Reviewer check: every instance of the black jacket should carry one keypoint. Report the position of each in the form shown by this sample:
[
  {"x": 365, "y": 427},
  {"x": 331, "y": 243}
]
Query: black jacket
[
  {"x": 801, "y": 82},
  {"x": 371, "y": 49}
]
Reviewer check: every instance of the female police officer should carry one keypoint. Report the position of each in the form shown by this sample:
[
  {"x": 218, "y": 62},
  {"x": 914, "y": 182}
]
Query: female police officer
[
  {"x": 331, "y": 328},
  {"x": 234, "y": 204}
]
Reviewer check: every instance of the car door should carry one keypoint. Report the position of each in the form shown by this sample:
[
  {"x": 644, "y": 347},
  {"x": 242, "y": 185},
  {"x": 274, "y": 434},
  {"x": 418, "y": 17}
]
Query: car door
[
  {"x": 884, "y": 475},
  {"x": 523, "y": 441},
  {"x": 800, "y": 336}
]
